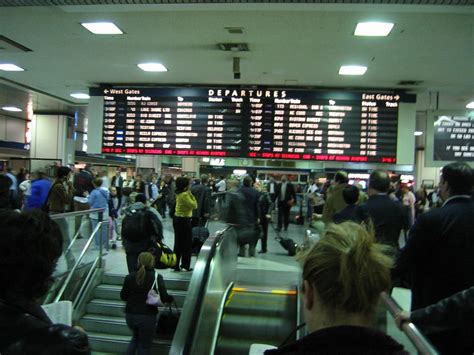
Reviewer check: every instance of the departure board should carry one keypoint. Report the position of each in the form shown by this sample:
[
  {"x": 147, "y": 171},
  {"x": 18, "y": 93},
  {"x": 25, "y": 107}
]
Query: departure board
[
  {"x": 454, "y": 138},
  {"x": 352, "y": 126}
]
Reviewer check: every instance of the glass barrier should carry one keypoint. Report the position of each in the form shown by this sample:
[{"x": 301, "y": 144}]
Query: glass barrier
[{"x": 82, "y": 253}]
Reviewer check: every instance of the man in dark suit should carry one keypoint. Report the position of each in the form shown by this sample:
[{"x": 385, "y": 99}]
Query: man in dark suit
[
  {"x": 439, "y": 253},
  {"x": 252, "y": 213},
  {"x": 202, "y": 192},
  {"x": 389, "y": 217},
  {"x": 285, "y": 197},
  {"x": 117, "y": 182}
]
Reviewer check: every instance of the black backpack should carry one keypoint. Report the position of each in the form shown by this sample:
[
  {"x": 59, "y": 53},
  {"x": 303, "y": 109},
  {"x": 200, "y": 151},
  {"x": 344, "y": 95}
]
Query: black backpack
[{"x": 140, "y": 224}]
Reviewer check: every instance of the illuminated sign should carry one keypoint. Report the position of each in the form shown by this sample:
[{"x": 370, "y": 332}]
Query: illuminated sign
[{"x": 218, "y": 122}]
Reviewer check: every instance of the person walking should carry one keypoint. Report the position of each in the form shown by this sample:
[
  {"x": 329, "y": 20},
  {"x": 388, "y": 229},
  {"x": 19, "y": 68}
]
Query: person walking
[
  {"x": 185, "y": 204},
  {"x": 286, "y": 197},
  {"x": 141, "y": 317}
]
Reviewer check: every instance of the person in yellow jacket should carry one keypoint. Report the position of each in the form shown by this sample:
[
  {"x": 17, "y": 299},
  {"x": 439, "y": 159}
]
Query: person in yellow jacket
[{"x": 185, "y": 204}]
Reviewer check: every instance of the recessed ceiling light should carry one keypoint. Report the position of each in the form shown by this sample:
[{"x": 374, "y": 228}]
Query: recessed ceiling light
[
  {"x": 418, "y": 133},
  {"x": 80, "y": 95},
  {"x": 373, "y": 29},
  {"x": 470, "y": 105},
  {"x": 11, "y": 108},
  {"x": 352, "y": 70},
  {"x": 10, "y": 67},
  {"x": 102, "y": 28},
  {"x": 156, "y": 67}
]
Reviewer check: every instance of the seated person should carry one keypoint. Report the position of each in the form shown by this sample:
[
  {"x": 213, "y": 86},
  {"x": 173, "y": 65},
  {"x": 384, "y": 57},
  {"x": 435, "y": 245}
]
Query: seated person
[
  {"x": 344, "y": 274},
  {"x": 350, "y": 194},
  {"x": 30, "y": 246}
]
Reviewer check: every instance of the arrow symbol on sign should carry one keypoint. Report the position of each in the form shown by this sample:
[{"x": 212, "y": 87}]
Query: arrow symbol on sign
[{"x": 106, "y": 91}]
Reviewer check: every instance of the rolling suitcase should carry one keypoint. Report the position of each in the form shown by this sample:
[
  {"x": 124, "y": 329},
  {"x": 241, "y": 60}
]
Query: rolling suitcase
[{"x": 200, "y": 234}]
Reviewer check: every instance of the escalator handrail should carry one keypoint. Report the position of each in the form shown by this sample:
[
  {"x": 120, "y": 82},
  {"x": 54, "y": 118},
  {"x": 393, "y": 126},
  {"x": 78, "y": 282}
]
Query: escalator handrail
[
  {"x": 184, "y": 335},
  {"x": 76, "y": 213},
  {"x": 220, "y": 314},
  {"x": 421, "y": 344}
]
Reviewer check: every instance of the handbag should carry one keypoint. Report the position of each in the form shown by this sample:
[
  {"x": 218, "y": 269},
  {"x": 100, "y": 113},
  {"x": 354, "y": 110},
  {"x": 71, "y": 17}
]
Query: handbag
[
  {"x": 164, "y": 256},
  {"x": 153, "y": 298},
  {"x": 168, "y": 320}
]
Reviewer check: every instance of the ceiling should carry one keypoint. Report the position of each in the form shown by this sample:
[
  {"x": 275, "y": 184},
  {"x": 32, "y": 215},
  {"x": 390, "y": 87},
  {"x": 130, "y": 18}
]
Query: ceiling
[{"x": 290, "y": 44}]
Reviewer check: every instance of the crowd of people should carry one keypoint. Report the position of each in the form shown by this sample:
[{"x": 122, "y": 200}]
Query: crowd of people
[{"x": 357, "y": 257}]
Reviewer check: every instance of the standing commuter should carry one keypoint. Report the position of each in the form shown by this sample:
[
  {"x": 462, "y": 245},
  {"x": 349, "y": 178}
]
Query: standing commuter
[
  {"x": 265, "y": 204},
  {"x": 14, "y": 186},
  {"x": 39, "y": 190},
  {"x": 285, "y": 196},
  {"x": 408, "y": 200},
  {"x": 349, "y": 213},
  {"x": 438, "y": 256},
  {"x": 310, "y": 191},
  {"x": 60, "y": 196},
  {"x": 183, "y": 236},
  {"x": 117, "y": 182},
  {"x": 82, "y": 188},
  {"x": 139, "y": 185},
  {"x": 202, "y": 193},
  {"x": 99, "y": 198},
  {"x": 5, "y": 195},
  {"x": 334, "y": 201},
  {"x": 141, "y": 229},
  {"x": 389, "y": 217},
  {"x": 252, "y": 212},
  {"x": 30, "y": 246},
  {"x": 141, "y": 317}
]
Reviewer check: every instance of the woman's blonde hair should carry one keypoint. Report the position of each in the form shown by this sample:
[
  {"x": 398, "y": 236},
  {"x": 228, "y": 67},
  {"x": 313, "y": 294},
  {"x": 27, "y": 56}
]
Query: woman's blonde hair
[
  {"x": 145, "y": 261},
  {"x": 348, "y": 269}
]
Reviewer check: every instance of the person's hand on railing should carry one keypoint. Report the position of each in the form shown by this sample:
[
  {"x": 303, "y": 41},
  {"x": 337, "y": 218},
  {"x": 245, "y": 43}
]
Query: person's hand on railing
[{"x": 401, "y": 318}]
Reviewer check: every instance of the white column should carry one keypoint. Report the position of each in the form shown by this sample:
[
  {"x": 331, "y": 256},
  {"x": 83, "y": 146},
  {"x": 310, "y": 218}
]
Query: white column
[{"x": 52, "y": 138}]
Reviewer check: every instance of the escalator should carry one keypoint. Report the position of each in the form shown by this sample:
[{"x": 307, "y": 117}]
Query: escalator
[{"x": 256, "y": 315}]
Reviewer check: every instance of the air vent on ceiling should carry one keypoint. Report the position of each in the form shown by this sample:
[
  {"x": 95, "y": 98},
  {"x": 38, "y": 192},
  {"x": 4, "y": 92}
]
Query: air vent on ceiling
[
  {"x": 235, "y": 30},
  {"x": 8, "y": 45},
  {"x": 409, "y": 82},
  {"x": 233, "y": 47}
]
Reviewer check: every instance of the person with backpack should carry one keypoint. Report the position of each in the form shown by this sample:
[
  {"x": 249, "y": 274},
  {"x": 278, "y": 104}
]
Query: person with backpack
[
  {"x": 140, "y": 315},
  {"x": 99, "y": 198},
  {"x": 141, "y": 229}
]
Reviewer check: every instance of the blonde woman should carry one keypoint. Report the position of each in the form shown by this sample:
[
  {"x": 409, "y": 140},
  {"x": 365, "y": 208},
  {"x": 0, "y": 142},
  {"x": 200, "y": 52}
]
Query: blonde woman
[
  {"x": 344, "y": 274},
  {"x": 141, "y": 318}
]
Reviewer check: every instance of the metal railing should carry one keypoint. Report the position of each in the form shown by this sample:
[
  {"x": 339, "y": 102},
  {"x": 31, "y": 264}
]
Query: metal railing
[{"x": 411, "y": 331}]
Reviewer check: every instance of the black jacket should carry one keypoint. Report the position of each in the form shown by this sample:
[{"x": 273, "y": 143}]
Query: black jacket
[
  {"x": 23, "y": 325},
  {"x": 343, "y": 340},
  {"x": 252, "y": 208},
  {"x": 202, "y": 193},
  {"x": 349, "y": 213},
  {"x": 438, "y": 256},
  {"x": 289, "y": 192},
  {"x": 135, "y": 295},
  {"x": 389, "y": 218},
  {"x": 233, "y": 211},
  {"x": 83, "y": 183}
]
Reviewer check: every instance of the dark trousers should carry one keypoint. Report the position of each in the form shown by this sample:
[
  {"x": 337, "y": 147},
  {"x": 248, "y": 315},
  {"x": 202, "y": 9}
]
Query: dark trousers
[
  {"x": 183, "y": 237},
  {"x": 283, "y": 214},
  {"x": 132, "y": 262},
  {"x": 143, "y": 329},
  {"x": 264, "y": 224}
]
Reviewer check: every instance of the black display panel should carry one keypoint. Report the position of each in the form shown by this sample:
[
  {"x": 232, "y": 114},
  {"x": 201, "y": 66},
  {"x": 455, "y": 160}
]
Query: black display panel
[
  {"x": 453, "y": 138},
  {"x": 354, "y": 126}
]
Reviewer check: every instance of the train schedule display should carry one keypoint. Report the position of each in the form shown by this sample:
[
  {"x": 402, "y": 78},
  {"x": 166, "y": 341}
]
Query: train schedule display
[
  {"x": 453, "y": 138},
  {"x": 351, "y": 126}
]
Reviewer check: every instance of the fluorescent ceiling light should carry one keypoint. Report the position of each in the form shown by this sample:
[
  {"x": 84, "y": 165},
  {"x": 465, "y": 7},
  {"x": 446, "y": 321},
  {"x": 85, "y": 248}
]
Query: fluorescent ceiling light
[
  {"x": 81, "y": 96},
  {"x": 373, "y": 29},
  {"x": 470, "y": 105},
  {"x": 102, "y": 28},
  {"x": 10, "y": 67},
  {"x": 418, "y": 133},
  {"x": 155, "y": 67},
  {"x": 352, "y": 70},
  {"x": 12, "y": 109}
]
